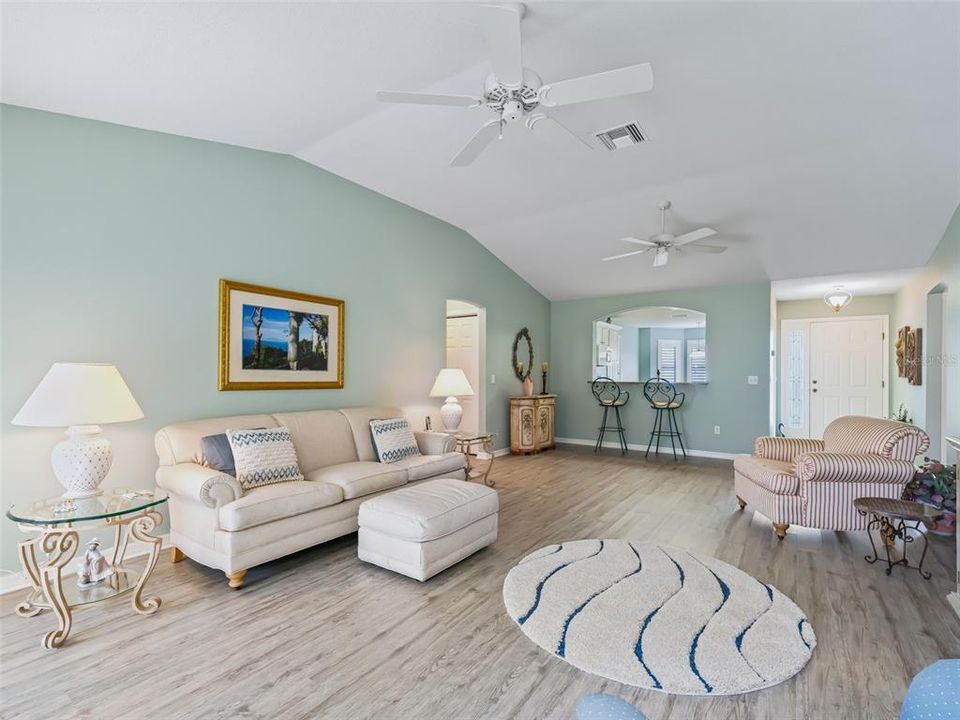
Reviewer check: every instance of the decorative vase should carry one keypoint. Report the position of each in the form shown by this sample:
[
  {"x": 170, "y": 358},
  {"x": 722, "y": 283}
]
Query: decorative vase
[{"x": 528, "y": 387}]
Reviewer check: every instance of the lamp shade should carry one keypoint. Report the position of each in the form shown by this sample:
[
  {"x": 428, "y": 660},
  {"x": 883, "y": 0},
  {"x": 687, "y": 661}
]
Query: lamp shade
[
  {"x": 79, "y": 394},
  {"x": 451, "y": 382}
]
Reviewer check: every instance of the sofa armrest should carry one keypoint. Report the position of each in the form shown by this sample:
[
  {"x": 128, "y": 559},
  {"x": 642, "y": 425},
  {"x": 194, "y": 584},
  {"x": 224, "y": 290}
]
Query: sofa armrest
[
  {"x": 840, "y": 467},
  {"x": 198, "y": 483},
  {"x": 784, "y": 449},
  {"x": 434, "y": 443}
]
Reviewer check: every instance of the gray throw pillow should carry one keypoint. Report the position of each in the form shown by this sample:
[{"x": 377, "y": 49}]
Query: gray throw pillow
[{"x": 217, "y": 453}]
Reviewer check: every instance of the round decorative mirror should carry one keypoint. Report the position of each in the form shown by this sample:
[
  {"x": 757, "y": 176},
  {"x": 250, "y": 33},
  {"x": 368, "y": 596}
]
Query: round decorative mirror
[{"x": 522, "y": 356}]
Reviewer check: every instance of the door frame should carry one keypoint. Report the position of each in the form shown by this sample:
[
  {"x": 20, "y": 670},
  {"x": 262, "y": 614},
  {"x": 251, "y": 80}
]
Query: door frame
[
  {"x": 481, "y": 392},
  {"x": 805, "y": 323}
]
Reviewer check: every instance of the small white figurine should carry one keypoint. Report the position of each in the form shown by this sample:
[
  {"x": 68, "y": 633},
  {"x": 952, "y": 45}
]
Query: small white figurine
[{"x": 94, "y": 567}]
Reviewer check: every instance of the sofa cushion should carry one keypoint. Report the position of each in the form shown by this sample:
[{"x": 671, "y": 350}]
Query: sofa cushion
[
  {"x": 358, "y": 419},
  {"x": 393, "y": 440},
  {"x": 276, "y": 502},
  {"x": 360, "y": 478},
  {"x": 321, "y": 437},
  {"x": 217, "y": 453},
  {"x": 425, "y": 466},
  {"x": 264, "y": 457},
  {"x": 429, "y": 510},
  {"x": 777, "y": 477}
]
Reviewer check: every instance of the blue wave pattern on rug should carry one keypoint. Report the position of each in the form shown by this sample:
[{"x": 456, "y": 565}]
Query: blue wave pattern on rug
[{"x": 658, "y": 617}]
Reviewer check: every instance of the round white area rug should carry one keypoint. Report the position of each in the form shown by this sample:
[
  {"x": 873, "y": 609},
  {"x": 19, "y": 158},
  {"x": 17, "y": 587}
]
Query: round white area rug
[{"x": 658, "y": 617}]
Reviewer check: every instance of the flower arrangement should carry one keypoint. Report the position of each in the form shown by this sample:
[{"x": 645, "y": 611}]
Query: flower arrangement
[{"x": 935, "y": 484}]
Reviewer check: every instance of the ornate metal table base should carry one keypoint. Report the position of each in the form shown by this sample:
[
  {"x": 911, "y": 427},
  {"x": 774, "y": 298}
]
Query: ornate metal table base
[
  {"x": 473, "y": 470},
  {"x": 890, "y": 532},
  {"x": 59, "y": 544}
]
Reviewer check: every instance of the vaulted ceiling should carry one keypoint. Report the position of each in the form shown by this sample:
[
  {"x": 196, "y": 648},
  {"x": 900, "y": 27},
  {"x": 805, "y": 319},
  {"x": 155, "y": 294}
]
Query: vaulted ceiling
[{"x": 818, "y": 138}]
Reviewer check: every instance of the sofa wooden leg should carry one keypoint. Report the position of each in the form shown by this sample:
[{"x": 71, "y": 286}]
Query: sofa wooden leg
[
  {"x": 176, "y": 554},
  {"x": 741, "y": 502},
  {"x": 781, "y": 530},
  {"x": 236, "y": 578}
]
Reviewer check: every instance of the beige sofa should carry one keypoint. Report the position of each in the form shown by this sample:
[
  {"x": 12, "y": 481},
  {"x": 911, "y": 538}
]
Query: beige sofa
[{"x": 216, "y": 523}]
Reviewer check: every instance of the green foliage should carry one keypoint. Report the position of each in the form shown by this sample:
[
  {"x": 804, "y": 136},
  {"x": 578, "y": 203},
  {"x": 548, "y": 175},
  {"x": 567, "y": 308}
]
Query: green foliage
[
  {"x": 902, "y": 415},
  {"x": 934, "y": 484}
]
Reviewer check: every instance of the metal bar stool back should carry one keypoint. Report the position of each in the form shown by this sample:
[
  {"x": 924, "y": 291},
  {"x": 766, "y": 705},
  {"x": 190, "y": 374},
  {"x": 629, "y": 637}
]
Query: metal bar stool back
[
  {"x": 609, "y": 395},
  {"x": 665, "y": 401}
]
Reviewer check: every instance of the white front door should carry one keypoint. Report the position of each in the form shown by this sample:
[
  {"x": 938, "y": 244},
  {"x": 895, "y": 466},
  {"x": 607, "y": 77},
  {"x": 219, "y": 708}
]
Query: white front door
[
  {"x": 846, "y": 370},
  {"x": 463, "y": 351}
]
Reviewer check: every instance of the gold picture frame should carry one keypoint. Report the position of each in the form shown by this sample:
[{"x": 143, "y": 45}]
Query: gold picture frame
[{"x": 266, "y": 368}]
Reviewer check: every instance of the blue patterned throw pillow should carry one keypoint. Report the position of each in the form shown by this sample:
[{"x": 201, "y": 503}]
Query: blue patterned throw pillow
[
  {"x": 264, "y": 457},
  {"x": 393, "y": 440}
]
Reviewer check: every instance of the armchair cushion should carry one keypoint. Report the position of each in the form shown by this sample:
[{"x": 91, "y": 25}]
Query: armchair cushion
[
  {"x": 774, "y": 475},
  {"x": 841, "y": 467},
  {"x": 784, "y": 449},
  {"x": 192, "y": 481}
]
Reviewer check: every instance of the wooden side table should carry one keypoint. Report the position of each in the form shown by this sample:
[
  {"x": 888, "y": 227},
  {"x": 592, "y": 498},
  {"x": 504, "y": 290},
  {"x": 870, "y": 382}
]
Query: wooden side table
[
  {"x": 56, "y": 524},
  {"x": 466, "y": 442}
]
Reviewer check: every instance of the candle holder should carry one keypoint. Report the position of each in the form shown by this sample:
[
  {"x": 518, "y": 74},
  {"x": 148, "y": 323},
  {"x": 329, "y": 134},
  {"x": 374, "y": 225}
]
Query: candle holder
[{"x": 543, "y": 390}]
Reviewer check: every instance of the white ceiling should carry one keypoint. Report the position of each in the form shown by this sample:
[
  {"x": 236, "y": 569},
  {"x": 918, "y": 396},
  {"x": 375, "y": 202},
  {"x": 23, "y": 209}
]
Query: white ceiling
[
  {"x": 816, "y": 137},
  {"x": 879, "y": 283}
]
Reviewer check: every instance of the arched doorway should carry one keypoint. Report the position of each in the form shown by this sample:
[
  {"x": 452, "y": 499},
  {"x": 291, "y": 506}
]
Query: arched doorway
[{"x": 466, "y": 349}]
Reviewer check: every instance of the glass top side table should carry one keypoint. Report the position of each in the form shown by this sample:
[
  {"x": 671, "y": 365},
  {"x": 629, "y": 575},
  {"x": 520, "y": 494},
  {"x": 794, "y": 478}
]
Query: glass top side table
[
  {"x": 466, "y": 443},
  {"x": 55, "y": 523}
]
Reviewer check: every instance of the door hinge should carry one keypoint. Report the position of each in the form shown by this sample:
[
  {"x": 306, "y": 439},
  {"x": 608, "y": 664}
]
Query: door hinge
[
  {"x": 883, "y": 336},
  {"x": 883, "y": 383}
]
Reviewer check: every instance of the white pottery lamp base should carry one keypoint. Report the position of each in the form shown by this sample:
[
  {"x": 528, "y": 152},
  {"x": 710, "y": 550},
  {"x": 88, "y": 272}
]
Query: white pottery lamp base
[
  {"x": 451, "y": 413},
  {"x": 82, "y": 461}
]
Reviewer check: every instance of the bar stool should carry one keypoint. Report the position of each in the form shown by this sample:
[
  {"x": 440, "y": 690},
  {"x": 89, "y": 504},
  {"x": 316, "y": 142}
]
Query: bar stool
[
  {"x": 665, "y": 400},
  {"x": 609, "y": 395}
]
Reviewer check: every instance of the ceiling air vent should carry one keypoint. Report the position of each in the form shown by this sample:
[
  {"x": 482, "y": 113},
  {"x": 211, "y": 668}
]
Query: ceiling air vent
[{"x": 623, "y": 136}]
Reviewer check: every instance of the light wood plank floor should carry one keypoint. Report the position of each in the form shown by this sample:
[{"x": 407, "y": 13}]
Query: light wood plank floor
[{"x": 322, "y": 635}]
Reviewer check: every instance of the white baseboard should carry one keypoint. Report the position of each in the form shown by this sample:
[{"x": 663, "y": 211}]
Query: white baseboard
[
  {"x": 11, "y": 582},
  {"x": 643, "y": 448},
  {"x": 954, "y": 600},
  {"x": 501, "y": 452}
]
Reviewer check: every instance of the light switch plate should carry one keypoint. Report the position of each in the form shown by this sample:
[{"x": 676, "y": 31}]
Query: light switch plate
[
  {"x": 752, "y": 380},
  {"x": 493, "y": 379}
]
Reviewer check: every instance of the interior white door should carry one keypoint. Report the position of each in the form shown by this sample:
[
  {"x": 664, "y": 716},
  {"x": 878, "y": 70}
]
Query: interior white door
[
  {"x": 846, "y": 370},
  {"x": 463, "y": 351}
]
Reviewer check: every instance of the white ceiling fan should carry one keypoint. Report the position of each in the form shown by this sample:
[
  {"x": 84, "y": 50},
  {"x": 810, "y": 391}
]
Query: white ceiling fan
[
  {"x": 516, "y": 93},
  {"x": 663, "y": 242}
]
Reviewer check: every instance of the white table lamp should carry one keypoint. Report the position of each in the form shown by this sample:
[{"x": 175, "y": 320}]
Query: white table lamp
[
  {"x": 80, "y": 397},
  {"x": 450, "y": 383}
]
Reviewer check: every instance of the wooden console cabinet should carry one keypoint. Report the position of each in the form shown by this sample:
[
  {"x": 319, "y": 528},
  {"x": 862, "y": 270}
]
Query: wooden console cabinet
[{"x": 532, "y": 424}]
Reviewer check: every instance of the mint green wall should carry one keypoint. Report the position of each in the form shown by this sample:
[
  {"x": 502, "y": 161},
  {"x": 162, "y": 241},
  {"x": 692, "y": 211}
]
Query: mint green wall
[
  {"x": 738, "y": 332},
  {"x": 643, "y": 343},
  {"x": 114, "y": 240},
  {"x": 942, "y": 272}
]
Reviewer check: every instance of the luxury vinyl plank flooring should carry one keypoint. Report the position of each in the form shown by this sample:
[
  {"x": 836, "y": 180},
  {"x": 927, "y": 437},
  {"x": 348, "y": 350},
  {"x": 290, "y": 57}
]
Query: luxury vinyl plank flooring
[{"x": 322, "y": 635}]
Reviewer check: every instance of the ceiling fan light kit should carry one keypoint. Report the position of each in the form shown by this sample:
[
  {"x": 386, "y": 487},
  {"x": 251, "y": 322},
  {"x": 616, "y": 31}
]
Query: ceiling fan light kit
[{"x": 515, "y": 93}]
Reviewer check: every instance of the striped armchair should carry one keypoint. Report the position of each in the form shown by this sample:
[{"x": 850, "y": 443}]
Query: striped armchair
[{"x": 814, "y": 482}]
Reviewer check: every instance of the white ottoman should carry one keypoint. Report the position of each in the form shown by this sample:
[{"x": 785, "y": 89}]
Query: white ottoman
[{"x": 419, "y": 531}]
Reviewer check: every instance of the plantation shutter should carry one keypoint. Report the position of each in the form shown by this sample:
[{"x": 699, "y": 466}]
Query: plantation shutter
[
  {"x": 667, "y": 352},
  {"x": 696, "y": 361}
]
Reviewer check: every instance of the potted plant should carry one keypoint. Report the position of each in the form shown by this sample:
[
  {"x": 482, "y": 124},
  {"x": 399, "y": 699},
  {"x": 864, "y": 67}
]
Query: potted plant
[
  {"x": 935, "y": 484},
  {"x": 902, "y": 415}
]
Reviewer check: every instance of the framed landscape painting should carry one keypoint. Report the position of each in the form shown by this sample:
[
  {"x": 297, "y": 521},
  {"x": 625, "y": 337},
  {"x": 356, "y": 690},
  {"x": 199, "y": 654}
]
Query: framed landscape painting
[{"x": 278, "y": 339}]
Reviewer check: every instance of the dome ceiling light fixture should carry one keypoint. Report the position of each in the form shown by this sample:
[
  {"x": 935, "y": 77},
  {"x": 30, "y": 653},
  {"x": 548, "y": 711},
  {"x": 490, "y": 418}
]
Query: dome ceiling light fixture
[{"x": 838, "y": 298}]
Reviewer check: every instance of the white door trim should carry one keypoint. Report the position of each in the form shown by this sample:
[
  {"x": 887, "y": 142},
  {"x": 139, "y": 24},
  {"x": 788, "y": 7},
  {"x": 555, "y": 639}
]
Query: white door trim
[{"x": 805, "y": 324}]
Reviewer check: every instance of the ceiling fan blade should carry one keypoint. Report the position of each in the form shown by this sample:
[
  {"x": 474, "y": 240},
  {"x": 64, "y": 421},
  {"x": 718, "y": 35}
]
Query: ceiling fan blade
[
  {"x": 483, "y": 137},
  {"x": 623, "y": 255},
  {"x": 501, "y": 27},
  {"x": 550, "y": 128},
  {"x": 613, "y": 83},
  {"x": 693, "y": 236},
  {"x": 706, "y": 248},
  {"x": 638, "y": 241},
  {"x": 427, "y": 99}
]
